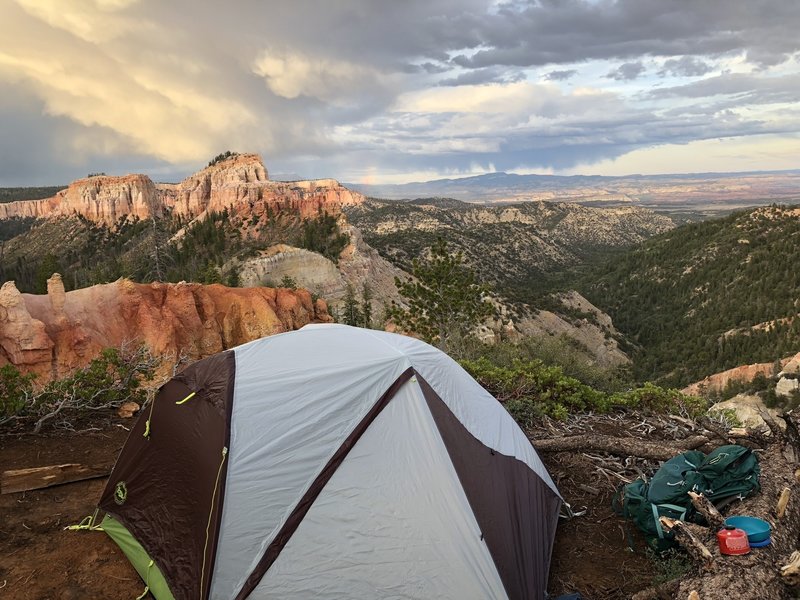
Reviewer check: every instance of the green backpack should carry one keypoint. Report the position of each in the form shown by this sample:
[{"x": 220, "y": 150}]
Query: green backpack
[
  {"x": 730, "y": 471},
  {"x": 726, "y": 472}
]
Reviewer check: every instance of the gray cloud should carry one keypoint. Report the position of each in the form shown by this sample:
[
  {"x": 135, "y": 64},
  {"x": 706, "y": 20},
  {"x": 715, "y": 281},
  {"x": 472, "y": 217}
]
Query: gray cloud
[
  {"x": 485, "y": 75},
  {"x": 550, "y": 32},
  {"x": 686, "y": 66},
  {"x": 323, "y": 88},
  {"x": 746, "y": 88},
  {"x": 627, "y": 71},
  {"x": 561, "y": 75}
]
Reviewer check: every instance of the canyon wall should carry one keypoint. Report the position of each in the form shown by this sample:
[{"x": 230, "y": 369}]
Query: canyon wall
[
  {"x": 54, "y": 333},
  {"x": 240, "y": 184}
]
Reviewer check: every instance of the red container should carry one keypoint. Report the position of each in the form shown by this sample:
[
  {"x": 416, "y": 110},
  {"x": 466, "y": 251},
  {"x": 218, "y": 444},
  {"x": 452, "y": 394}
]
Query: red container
[{"x": 733, "y": 541}]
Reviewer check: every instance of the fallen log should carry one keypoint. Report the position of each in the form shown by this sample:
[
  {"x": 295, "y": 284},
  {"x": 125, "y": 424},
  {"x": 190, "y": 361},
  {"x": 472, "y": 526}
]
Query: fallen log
[
  {"x": 620, "y": 446},
  {"x": 783, "y": 502},
  {"x": 707, "y": 509},
  {"x": 686, "y": 538},
  {"x": 23, "y": 480}
]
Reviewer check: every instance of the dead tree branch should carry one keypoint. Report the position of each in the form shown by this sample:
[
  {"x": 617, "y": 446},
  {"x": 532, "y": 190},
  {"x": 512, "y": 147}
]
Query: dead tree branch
[
  {"x": 707, "y": 509},
  {"x": 620, "y": 446},
  {"x": 686, "y": 538}
]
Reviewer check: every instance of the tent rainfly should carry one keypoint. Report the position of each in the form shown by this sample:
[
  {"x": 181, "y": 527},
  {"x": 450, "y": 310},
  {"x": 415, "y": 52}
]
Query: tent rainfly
[{"x": 331, "y": 462}]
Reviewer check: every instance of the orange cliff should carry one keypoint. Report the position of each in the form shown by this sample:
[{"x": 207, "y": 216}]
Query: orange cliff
[
  {"x": 102, "y": 199},
  {"x": 743, "y": 374},
  {"x": 240, "y": 183},
  {"x": 53, "y": 334}
]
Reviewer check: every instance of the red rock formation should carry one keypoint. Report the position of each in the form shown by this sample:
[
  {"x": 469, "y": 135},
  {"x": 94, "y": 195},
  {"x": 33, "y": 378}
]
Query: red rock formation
[
  {"x": 55, "y": 333},
  {"x": 101, "y": 199},
  {"x": 743, "y": 374},
  {"x": 240, "y": 184}
]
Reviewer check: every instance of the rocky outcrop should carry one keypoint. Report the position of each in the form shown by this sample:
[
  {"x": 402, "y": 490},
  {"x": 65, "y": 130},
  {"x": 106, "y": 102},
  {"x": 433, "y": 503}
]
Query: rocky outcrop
[
  {"x": 55, "y": 333},
  {"x": 101, "y": 199},
  {"x": 358, "y": 264},
  {"x": 308, "y": 269},
  {"x": 240, "y": 184},
  {"x": 24, "y": 341},
  {"x": 787, "y": 387},
  {"x": 743, "y": 374},
  {"x": 591, "y": 328},
  {"x": 750, "y": 411}
]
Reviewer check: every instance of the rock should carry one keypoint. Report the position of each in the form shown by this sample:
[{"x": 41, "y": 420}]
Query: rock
[
  {"x": 187, "y": 319},
  {"x": 787, "y": 386},
  {"x": 56, "y": 293},
  {"x": 100, "y": 199},
  {"x": 128, "y": 409},
  {"x": 744, "y": 374},
  {"x": 792, "y": 367},
  {"x": 718, "y": 381},
  {"x": 358, "y": 264},
  {"x": 748, "y": 409},
  {"x": 240, "y": 184},
  {"x": 24, "y": 341},
  {"x": 595, "y": 336}
]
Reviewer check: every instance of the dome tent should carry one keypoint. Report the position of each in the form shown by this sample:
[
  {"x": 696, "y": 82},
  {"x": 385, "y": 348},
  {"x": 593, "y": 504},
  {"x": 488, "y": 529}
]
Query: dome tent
[{"x": 331, "y": 462}]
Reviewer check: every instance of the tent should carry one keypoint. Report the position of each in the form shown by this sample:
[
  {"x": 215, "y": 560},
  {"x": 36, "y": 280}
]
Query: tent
[{"x": 331, "y": 462}]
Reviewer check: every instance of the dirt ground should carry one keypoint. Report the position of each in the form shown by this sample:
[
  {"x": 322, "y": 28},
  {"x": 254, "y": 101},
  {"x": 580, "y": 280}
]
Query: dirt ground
[
  {"x": 592, "y": 554},
  {"x": 40, "y": 560}
]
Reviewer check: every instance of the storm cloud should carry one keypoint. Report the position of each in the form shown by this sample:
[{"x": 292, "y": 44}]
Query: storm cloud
[{"x": 378, "y": 89}]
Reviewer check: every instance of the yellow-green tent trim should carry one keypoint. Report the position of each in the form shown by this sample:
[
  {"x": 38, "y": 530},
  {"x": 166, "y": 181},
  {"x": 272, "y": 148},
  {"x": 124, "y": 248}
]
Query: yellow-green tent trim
[{"x": 147, "y": 569}]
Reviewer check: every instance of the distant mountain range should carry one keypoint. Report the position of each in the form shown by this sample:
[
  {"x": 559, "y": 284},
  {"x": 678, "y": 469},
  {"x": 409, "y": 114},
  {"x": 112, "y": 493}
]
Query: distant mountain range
[{"x": 710, "y": 192}]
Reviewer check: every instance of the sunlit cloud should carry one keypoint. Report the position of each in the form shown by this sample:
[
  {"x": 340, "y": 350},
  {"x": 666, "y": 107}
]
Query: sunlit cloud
[{"x": 401, "y": 89}]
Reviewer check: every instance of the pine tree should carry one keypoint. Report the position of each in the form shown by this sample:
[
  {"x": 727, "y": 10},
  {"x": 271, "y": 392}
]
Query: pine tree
[
  {"x": 445, "y": 302},
  {"x": 366, "y": 305},
  {"x": 47, "y": 267},
  {"x": 351, "y": 313}
]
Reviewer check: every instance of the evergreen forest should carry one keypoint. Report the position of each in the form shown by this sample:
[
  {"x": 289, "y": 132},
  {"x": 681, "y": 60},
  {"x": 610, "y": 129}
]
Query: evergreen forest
[{"x": 706, "y": 296}]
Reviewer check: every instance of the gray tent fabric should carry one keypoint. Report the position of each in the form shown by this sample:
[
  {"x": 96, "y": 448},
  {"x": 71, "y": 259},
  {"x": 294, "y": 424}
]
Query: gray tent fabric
[
  {"x": 360, "y": 464},
  {"x": 397, "y": 486}
]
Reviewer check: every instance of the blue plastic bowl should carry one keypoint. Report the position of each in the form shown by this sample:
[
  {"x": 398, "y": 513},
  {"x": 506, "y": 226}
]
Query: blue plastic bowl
[{"x": 757, "y": 530}]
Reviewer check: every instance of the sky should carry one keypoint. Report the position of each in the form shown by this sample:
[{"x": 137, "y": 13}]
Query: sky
[{"x": 390, "y": 91}]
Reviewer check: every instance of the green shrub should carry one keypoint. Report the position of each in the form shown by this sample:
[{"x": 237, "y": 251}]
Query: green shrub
[
  {"x": 531, "y": 389},
  {"x": 662, "y": 400},
  {"x": 16, "y": 390},
  {"x": 288, "y": 282},
  {"x": 222, "y": 157},
  {"x": 561, "y": 351},
  {"x": 668, "y": 566},
  {"x": 108, "y": 381}
]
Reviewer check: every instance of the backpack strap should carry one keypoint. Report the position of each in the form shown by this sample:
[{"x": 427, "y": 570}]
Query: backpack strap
[{"x": 681, "y": 509}]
